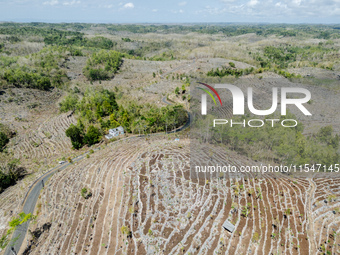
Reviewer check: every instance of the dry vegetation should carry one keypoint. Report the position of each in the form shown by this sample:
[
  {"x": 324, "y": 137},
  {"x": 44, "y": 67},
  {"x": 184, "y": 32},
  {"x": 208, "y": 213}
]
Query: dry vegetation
[
  {"x": 141, "y": 196},
  {"x": 144, "y": 199}
]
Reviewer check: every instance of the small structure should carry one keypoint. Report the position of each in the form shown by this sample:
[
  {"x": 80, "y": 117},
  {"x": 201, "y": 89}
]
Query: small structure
[
  {"x": 115, "y": 132},
  {"x": 228, "y": 226}
]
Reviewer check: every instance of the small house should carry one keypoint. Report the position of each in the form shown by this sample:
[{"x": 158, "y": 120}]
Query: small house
[
  {"x": 228, "y": 226},
  {"x": 115, "y": 132}
]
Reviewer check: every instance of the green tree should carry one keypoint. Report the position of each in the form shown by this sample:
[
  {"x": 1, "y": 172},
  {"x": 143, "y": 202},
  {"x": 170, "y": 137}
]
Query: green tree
[
  {"x": 183, "y": 89},
  {"x": 92, "y": 136},
  {"x": 75, "y": 135},
  {"x": 177, "y": 90}
]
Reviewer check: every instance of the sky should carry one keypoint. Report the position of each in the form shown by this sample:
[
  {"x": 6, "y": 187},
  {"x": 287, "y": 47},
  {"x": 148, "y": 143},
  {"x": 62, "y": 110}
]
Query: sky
[{"x": 164, "y": 11}]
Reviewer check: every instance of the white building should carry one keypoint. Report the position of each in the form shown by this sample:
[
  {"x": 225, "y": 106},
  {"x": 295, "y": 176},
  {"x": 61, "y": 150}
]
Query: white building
[{"x": 115, "y": 132}]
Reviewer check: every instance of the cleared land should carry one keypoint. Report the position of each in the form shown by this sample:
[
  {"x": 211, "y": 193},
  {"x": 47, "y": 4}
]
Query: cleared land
[{"x": 140, "y": 196}]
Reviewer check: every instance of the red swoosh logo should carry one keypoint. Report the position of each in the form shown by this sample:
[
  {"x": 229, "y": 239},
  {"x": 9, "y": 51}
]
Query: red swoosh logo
[{"x": 218, "y": 96}]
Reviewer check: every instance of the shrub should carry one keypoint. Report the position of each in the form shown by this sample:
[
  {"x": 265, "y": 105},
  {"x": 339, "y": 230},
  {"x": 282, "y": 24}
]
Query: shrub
[
  {"x": 83, "y": 192},
  {"x": 3, "y": 141},
  {"x": 125, "y": 230},
  {"x": 10, "y": 172},
  {"x": 225, "y": 72},
  {"x": 256, "y": 237},
  {"x": 177, "y": 90},
  {"x": 69, "y": 103}
]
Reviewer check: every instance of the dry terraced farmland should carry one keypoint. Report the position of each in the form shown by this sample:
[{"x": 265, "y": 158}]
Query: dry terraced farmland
[
  {"x": 46, "y": 141},
  {"x": 145, "y": 200},
  {"x": 140, "y": 196}
]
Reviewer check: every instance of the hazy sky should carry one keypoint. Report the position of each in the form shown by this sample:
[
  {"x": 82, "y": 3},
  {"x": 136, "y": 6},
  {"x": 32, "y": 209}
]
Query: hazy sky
[{"x": 164, "y": 11}]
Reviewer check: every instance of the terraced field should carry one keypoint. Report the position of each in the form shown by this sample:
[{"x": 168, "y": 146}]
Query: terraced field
[
  {"x": 145, "y": 199},
  {"x": 142, "y": 195},
  {"x": 47, "y": 140},
  {"x": 325, "y": 211}
]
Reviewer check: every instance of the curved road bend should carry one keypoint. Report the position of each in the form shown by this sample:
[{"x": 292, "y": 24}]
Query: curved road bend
[{"x": 33, "y": 193}]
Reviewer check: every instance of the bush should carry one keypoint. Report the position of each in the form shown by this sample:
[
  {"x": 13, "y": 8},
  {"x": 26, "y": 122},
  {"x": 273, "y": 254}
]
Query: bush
[
  {"x": 3, "y": 141},
  {"x": 85, "y": 193},
  {"x": 6, "y": 180},
  {"x": 69, "y": 103},
  {"x": 125, "y": 231},
  {"x": 177, "y": 90},
  {"x": 76, "y": 52},
  {"x": 10, "y": 173},
  {"x": 256, "y": 237}
]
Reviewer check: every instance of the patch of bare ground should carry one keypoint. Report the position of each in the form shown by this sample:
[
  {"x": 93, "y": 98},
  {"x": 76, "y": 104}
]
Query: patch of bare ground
[{"x": 149, "y": 189}]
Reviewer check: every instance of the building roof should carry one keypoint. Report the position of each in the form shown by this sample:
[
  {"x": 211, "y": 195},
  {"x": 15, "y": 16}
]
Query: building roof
[
  {"x": 228, "y": 226},
  {"x": 118, "y": 129},
  {"x": 109, "y": 136}
]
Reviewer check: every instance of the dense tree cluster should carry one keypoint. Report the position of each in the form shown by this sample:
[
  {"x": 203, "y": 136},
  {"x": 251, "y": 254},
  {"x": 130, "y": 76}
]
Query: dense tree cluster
[
  {"x": 282, "y": 56},
  {"x": 21, "y": 78},
  {"x": 98, "y": 111},
  {"x": 277, "y": 59},
  {"x": 72, "y": 29},
  {"x": 291, "y": 30},
  {"x": 103, "y": 65},
  {"x": 29, "y": 30},
  {"x": 79, "y": 137},
  {"x": 41, "y": 72},
  {"x": 146, "y": 118},
  {"x": 79, "y": 41},
  {"x": 94, "y": 106}
]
